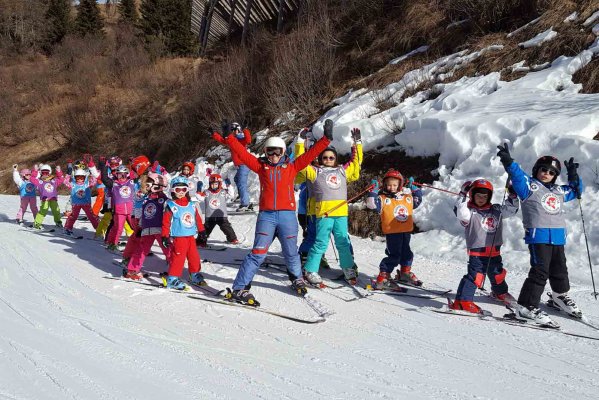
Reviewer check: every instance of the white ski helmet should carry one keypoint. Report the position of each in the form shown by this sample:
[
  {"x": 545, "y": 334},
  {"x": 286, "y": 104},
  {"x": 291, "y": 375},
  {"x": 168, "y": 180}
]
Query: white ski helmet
[
  {"x": 275, "y": 142},
  {"x": 80, "y": 172},
  {"x": 46, "y": 167}
]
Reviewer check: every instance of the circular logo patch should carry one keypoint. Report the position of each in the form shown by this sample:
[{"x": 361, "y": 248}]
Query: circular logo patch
[
  {"x": 187, "y": 219},
  {"x": 489, "y": 224},
  {"x": 48, "y": 187},
  {"x": 551, "y": 203},
  {"x": 534, "y": 187},
  {"x": 333, "y": 181},
  {"x": 214, "y": 203},
  {"x": 30, "y": 187},
  {"x": 401, "y": 213},
  {"x": 139, "y": 195},
  {"x": 387, "y": 201},
  {"x": 150, "y": 210},
  {"x": 80, "y": 193},
  {"x": 125, "y": 192}
]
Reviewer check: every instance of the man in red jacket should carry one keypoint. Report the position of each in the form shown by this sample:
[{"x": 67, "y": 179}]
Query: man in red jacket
[
  {"x": 241, "y": 177},
  {"x": 277, "y": 208}
]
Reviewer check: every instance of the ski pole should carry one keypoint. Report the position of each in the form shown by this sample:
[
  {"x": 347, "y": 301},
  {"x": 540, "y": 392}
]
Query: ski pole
[
  {"x": 334, "y": 249},
  {"x": 326, "y": 214},
  {"x": 586, "y": 241},
  {"x": 436, "y": 188}
]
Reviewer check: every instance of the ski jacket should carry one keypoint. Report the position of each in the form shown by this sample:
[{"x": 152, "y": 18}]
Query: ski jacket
[
  {"x": 215, "y": 201},
  {"x": 26, "y": 188},
  {"x": 244, "y": 139},
  {"x": 81, "y": 194},
  {"x": 276, "y": 181},
  {"x": 542, "y": 206},
  {"x": 396, "y": 209},
  {"x": 48, "y": 188},
  {"x": 181, "y": 218}
]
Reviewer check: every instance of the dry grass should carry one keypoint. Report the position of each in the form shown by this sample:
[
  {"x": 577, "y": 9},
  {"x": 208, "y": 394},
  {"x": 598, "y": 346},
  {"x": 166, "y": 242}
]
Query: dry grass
[{"x": 589, "y": 77}]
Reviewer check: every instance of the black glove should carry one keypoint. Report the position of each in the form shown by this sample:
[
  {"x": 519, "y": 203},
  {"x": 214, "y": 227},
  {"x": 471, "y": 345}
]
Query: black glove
[
  {"x": 465, "y": 188},
  {"x": 166, "y": 241},
  {"x": 304, "y": 133},
  {"x": 328, "y": 129},
  {"x": 226, "y": 127},
  {"x": 138, "y": 233},
  {"x": 504, "y": 155},
  {"x": 14, "y": 166},
  {"x": 210, "y": 131},
  {"x": 511, "y": 192},
  {"x": 572, "y": 168},
  {"x": 356, "y": 135},
  {"x": 202, "y": 238}
]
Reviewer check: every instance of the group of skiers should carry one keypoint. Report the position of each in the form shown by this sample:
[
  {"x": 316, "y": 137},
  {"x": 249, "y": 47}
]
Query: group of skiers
[{"x": 156, "y": 206}]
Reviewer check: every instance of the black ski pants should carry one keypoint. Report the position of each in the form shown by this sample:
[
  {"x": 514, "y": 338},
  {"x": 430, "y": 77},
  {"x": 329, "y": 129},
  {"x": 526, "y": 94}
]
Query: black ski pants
[{"x": 224, "y": 225}]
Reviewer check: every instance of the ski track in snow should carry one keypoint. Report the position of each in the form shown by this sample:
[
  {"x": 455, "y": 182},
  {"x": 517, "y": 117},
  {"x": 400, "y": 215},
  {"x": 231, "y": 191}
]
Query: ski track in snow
[{"x": 69, "y": 334}]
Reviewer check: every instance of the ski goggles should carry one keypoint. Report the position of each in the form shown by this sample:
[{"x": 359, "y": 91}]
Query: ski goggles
[
  {"x": 44, "y": 172},
  {"x": 157, "y": 188},
  {"x": 332, "y": 158},
  {"x": 274, "y": 151},
  {"x": 548, "y": 171},
  {"x": 122, "y": 175},
  {"x": 180, "y": 189}
]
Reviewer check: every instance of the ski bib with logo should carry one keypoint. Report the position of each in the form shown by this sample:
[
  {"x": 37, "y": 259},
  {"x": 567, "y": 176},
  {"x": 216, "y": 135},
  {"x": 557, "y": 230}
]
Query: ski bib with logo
[
  {"x": 48, "y": 189},
  {"x": 123, "y": 193},
  {"x": 215, "y": 204},
  {"x": 544, "y": 207},
  {"x": 27, "y": 189},
  {"x": 485, "y": 228},
  {"x": 184, "y": 220},
  {"x": 151, "y": 213},
  {"x": 330, "y": 185},
  {"x": 81, "y": 194},
  {"x": 396, "y": 213}
]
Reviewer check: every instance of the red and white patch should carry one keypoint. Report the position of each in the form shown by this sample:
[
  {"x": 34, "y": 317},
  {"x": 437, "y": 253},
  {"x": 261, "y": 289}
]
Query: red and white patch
[
  {"x": 150, "y": 210},
  {"x": 187, "y": 220},
  {"x": 125, "y": 192},
  {"x": 551, "y": 203},
  {"x": 80, "y": 193},
  {"x": 48, "y": 187},
  {"x": 333, "y": 181},
  {"x": 214, "y": 203},
  {"x": 401, "y": 213},
  {"x": 139, "y": 195},
  {"x": 30, "y": 187},
  {"x": 489, "y": 224}
]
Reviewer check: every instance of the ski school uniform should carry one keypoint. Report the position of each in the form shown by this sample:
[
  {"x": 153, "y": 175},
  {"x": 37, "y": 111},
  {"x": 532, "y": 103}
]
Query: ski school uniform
[
  {"x": 181, "y": 221},
  {"x": 215, "y": 211},
  {"x": 81, "y": 197},
  {"x": 48, "y": 190},
  {"x": 138, "y": 200},
  {"x": 121, "y": 194},
  {"x": 27, "y": 193},
  {"x": 483, "y": 228},
  {"x": 545, "y": 232},
  {"x": 397, "y": 223},
  {"x": 329, "y": 190},
  {"x": 277, "y": 209}
]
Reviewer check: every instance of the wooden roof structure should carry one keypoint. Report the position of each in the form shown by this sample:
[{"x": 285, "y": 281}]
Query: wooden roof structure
[{"x": 219, "y": 18}]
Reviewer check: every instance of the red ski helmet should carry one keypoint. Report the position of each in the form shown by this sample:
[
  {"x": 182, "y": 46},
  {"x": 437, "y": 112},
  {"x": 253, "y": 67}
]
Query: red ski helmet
[
  {"x": 392, "y": 173},
  {"x": 189, "y": 165},
  {"x": 140, "y": 164},
  {"x": 481, "y": 186}
]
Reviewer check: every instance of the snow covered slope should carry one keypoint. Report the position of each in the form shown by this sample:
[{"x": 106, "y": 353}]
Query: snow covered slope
[{"x": 68, "y": 333}]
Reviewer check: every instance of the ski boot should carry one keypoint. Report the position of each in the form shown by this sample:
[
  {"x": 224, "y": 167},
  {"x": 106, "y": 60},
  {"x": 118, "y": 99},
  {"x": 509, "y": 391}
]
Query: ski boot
[
  {"x": 242, "y": 209},
  {"x": 173, "y": 282},
  {"x": 113, "y": 248},
  {"x": 250, "y": 207},
  {"x": 68, "y": 232},
  {"x": 405, "y": 275},
  {"x": 134, "y": 275},
  {"x": 535, "y": 315},
  {"x": 313, "y": 278},
  {"x": 59, "y": 224},
  {"x": 505, "y": 298},
  {"x": 242, "y": 296},
  {"x": 19, "y": 221},
  {"x": 197, "y": 279},
  {"x": 235, "y": 241},
  {"x": 350, "y": 275},
  {"x": 383, "y": 282},
  {"x": 36, "y": 226},
  {"x": 465, "y": 305},
  {"x": 324, "y": 263},
  {"x": 564, "y": 303},
  {"x": 298, "y": 285}
]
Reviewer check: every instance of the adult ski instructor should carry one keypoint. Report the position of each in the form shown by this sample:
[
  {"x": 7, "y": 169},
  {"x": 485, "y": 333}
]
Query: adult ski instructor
[{"x": 277, "y": 208}]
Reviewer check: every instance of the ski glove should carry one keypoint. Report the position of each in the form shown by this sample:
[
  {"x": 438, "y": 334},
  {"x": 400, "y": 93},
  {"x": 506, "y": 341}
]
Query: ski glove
[
  {"x": 226, "y": 127},
  {"x": 303, "y": 134},
  {"x": 465, "y": 188},
  {"x": 202, "y": 239},
  {"x": 572, "y": 168},
  {"x": 328, "y": 129},
  {"x": 14, "y": 166},
  {"x": 166, "y": 241},
  {"x": 504, "y": 155},
  {"x": 376, "y": 185},
  {"x": 511, "y": 191},
  {"x": 411, "y": 185},
  {"x": 356, "y": 135}
]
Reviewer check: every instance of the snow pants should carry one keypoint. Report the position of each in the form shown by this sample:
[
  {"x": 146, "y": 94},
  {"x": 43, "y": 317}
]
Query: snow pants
[
  {"x": 87, "y": 208},
  {"x": 303, "y": 223},
  {"x": 224, "y": 225},
  {"x": 324, "y": 227},
  {"x": 547, "y": 261},
  {"x": 283, "y": 225},
  {"x": 310, "y": 235},
  {"x": 241, "y": 180},
  {"x": 118, "y": 224},
  {"x": 143, "y": 247},
  {"x": 184, "y": 248},
  {"x": 477, "y": 268},
  {"x": 105, "y": 225},
  {"x": 99, "y": 203},
  {"x": 53, "y": 205},
  {"x": 30, "y": 201},
  {"x": 398, "y": 252}
]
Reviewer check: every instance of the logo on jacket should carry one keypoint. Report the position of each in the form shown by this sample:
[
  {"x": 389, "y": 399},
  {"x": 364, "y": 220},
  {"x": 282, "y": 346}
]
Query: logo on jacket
[
  {"x": 214, "y": 203},
  {"x": 150, "y": 210},
  {"x": 551, "y": 203},
  {"x": 48, "y": 187},
  {"x": 125, "y": 192},
  {"x": 401, "y": 213},
  {"x": 187, "y": 219},
  {"x": 333, "y": 181},
  {"x": 534, "y": 187},
  {"x": 30, "y": 187},
  {"x": 489, "y": 224},
  {"x": 139, "y": 195},
  {"x": 80, "y": 193}
]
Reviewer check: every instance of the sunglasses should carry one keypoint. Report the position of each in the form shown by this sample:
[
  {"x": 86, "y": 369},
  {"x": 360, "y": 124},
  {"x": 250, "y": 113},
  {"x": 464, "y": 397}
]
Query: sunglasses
[
  {"x": 332, "y": 158},
  {"x": 180, "y": 189},
  {"x": 276, "y": 151},
  {"x": 548, "y": 171},
  {"x": 27, "y": 175},
  {"x": 44, "y": 172},
  {"x": 157, "y": 187}
]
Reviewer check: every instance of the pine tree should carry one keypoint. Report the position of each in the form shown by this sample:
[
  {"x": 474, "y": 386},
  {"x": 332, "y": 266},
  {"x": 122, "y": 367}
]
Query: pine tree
[
  {"x": 179, "y": 39},
  {"x": 128, "y": 11},
  {"x": 58, "y": 17},
  {"x": 88, "y": 21},
  {"x": 151, "y": 18}
]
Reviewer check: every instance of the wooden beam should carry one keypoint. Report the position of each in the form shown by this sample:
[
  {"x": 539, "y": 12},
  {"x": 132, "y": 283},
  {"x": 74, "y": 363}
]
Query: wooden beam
[
  {"x": 280, "y": 16},
  {"x": 246, "y": 21},
  {"x": 231, "y": 19}
]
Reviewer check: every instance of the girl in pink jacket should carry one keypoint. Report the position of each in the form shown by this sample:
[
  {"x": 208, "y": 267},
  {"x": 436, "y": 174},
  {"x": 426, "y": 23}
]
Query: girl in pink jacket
[{"x": 26, "y": 191}]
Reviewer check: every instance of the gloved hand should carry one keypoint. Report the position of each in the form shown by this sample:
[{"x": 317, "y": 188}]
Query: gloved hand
[
  {"x": 376, "y": 186},
  {"x": 572, "y": 168},
  {"x": 102, "y": 160},
  {"x": 511, "y": 192},
  {"x": 356, "y": 135},
  {"x": 138, "y": 233},
  {"x": 226, "y": 127},
  {"x": 14, "y": 166},
  {"x": 504, "y": 155},
  {"x": 465, "y": 188},
  {"x": 411, "y": 185},
  {"x": 58, "y": 169},
  {"x": 227, "y": 182},
  {"x": 303, "y": 134},
  {"x": 166, "y": 241},
  {"x": 328, "y": 129},
  {"x": 202, "y": 239}
]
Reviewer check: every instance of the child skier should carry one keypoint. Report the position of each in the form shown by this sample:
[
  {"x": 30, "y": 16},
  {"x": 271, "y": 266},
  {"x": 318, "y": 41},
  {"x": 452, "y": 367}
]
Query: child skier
[
  {"x": 395, "y": 203},
  {"x": 180, "y": 223},
  {"x": 122, "y": 190},
  {"x": 277, "y": 208},
  {"x": 47, "y": 185},
  {"x": 26, "y": 191},
  {"x": 215, "y": 206},
  {"x": 483, "y": 226},
  {"x": 545, "y": 232},
  {"x": 150, "y": 225},
  {"x": 80, "y": 185}
]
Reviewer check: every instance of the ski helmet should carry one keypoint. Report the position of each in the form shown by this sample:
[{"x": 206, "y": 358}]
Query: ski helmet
[
  {"x": 121, "y": 169},
  {"x": 25, "y": 171},
  {"x": 155, "y": 179},
  {"x": 140, "y": 164},
  {"x": 114, "y": 162},
  {"x": 235, "y": 126},
  {"x": 179, "y": 181},
  {"x": 46, "y": 167},
  {"x": 275, "y": 142},
  {"x": 332, "y": 149},
  {"x": 189, "y": 165},
  {"x": 392, "y": 173},
  {"x": 550, "y": 163},
  {"x": 481, "y": 186},
  {"x": 80, "y": 172},
  {"x": 216, "y": 178}
]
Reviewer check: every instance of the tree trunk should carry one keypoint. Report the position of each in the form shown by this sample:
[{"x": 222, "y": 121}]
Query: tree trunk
[
  {"x": 280, "y": 18},
  {"x": 231, "y": 19},
  {"x": 246, "y": 22}
]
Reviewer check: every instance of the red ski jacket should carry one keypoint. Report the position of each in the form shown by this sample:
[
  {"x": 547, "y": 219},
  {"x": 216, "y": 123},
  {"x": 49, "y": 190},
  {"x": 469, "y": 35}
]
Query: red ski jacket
[{"x": 245, "y": 141}]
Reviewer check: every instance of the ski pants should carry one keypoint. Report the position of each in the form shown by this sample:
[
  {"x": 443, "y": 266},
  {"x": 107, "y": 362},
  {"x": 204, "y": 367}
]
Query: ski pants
[
  {"x": 241, "y": 180},
  {"x": 144, "y": 246},
  {"x": 184, "y": 248},
  {"x": 26, "y": 201},
  {"x": 99, "y": 202},
  {"x": 87, "y": 209},
  {"x": 310, "y": 235},
  {"x": 324, "y": 227},
  {"x": 271, "y": 224},
  {"x": 224, "y": 225},
  {"x": 118, "y": 223},
  {"x": 477, "y": 269},
  {"x": 398, "y": 252},
  {"x": 106, "y": 223},
  {"x": 547, "y": 261},
  {"x": 134, "y": 240},
  {"x": 53, "y": 205},
  {"x": 303, "y": 223}
]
